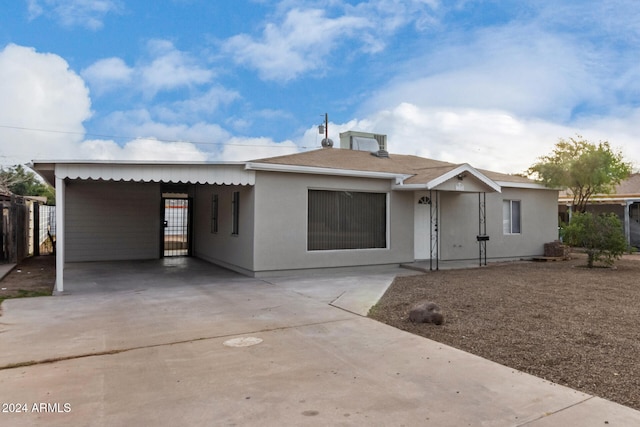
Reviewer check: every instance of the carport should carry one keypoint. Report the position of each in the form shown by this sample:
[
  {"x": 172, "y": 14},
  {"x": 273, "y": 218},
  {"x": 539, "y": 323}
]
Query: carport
[{"x": 109, "y": 211}]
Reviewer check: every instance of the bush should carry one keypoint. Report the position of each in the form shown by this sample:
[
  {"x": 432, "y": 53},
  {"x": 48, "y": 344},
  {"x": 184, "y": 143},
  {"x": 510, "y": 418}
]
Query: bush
[{"x": 600, "y": 235}]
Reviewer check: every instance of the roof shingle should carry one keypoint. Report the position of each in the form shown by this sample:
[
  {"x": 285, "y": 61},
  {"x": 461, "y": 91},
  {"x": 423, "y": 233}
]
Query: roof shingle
[{"x": 422, "y": 169}]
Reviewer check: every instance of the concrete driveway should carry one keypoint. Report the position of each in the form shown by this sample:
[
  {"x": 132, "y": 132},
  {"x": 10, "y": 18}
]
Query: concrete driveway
[{"x": 151, "y": 343}]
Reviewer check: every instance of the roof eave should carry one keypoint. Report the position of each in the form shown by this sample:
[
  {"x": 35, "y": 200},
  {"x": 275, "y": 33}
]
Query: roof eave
[
  {"x": 465, "y": 167},
  {"x": 530, "y": 185},
  {"x": 315, "y": 170}
]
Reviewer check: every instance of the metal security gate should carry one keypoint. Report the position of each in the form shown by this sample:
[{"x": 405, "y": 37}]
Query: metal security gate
[{"x": 176, "y": 227}]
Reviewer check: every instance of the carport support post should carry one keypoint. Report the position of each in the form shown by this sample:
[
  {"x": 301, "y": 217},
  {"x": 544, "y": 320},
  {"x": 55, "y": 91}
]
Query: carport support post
[
  {"x": 59, "y": 249},
  {"x": 627, "y": 221}
]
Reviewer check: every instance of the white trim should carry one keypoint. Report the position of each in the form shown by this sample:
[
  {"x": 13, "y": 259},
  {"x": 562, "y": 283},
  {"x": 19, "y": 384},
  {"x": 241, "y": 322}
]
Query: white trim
[
  {"x": 530, "y": 185},
  {"x": 60, "y": 233},
  {"x": 269, "y": 167},
  {"x": 134, "y": 162},
  {"x": 602, "y": 200},
  {"x": 461, "y": 169},
  {"x": 194, "y": 173}
]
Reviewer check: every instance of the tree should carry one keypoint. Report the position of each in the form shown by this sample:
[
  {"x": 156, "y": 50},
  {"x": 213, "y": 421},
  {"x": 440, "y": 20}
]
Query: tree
[
  {"x": 600, "y": 235},
  {"x": 583, "y": 168},
  {"x": 23, "y": 182}
]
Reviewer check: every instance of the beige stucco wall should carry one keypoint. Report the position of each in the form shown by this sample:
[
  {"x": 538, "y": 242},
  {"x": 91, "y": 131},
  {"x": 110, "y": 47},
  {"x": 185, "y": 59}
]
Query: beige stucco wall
[
  {"x": 281, "y": 223},
  {"x": 459, "y": 224},
  {"x": 224, "y": 248},
  {"x": 109, "y": 221}
]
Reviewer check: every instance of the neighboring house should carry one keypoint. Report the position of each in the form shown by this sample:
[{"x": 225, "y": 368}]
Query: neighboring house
[
  {"x": 624, "y": 201},
  {"x": 313, "y": 210}
]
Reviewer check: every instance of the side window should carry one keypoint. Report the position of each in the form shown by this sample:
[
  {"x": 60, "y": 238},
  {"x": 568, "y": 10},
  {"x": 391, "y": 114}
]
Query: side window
[
  {"x": 511, "y": 219},
  {"x": 235, "y": 212},
  {"x": 214, "y": 213}
]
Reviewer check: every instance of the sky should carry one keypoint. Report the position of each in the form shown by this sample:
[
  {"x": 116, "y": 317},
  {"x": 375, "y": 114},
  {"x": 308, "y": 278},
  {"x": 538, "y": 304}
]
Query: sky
[{"x": 492, "y": 83}]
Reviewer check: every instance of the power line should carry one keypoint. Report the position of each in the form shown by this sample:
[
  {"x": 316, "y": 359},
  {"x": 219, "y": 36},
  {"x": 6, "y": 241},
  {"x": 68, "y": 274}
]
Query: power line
[{"x": 95, "y": 135}]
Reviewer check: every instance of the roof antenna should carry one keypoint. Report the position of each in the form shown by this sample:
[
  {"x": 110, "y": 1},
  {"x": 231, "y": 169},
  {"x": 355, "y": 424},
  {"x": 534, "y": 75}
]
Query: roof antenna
[{"x": 324, "y": 128}]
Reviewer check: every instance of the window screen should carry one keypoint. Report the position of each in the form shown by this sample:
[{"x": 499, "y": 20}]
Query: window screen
[
  {"x": 346, "y": 220},
  {"x": 511, "y": 216}
]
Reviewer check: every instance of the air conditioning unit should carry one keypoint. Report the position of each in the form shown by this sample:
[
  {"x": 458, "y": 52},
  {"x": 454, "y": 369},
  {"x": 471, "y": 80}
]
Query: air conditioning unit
[{"x": 363, "y": 141}]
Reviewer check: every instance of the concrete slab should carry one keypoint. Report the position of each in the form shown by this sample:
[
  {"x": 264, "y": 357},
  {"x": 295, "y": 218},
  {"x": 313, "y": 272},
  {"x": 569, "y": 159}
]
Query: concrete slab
[
  {"x": 316, "y": 364},
  {"x": 6, "y": 269},
  {"x": 352, "y": 291},
  {"x": 113, "y": 306}
]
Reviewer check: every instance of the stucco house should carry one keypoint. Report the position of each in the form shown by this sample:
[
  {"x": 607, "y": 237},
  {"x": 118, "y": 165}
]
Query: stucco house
[
  {"x": 624, "y": 201},
  {"x": 353, "y": 206}
]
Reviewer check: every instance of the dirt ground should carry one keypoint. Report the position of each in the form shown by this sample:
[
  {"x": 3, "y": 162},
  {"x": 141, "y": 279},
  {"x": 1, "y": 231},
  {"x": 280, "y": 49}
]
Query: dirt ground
[
  {"x": 34, "y": 276},
  {"x": 556, "y": 320}
]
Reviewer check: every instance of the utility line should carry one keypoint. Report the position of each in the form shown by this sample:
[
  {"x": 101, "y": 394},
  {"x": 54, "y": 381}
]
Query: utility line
[{"x": 95, "y": 135}]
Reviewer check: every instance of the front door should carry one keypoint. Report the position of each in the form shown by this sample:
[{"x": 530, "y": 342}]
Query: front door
[
  {"x": 425, "y": 230},
  {"x": 176, "y": 226}
]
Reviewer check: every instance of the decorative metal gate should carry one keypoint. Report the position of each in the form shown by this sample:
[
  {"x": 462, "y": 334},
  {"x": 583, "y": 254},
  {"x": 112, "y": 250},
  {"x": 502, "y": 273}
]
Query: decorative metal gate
[
  {"x": 482, "y": 236},
  {"x": 177, "y": 227},
  {"x": 433, "y": 231}
]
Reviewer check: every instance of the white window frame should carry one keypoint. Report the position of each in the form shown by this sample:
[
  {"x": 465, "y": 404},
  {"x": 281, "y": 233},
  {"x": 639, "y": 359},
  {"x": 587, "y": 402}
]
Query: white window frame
[{"x": 508, "y": 217}]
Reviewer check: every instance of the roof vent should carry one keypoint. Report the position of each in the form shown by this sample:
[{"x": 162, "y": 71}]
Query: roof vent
[
  {"x": 327, "y": 143},
  {"x": 383, "y": 154},
  {"x": 363, "y": 141}
]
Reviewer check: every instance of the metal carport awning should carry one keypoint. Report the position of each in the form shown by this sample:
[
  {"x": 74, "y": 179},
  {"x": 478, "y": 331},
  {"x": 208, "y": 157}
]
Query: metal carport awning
[{"x": 56, "y": 173}]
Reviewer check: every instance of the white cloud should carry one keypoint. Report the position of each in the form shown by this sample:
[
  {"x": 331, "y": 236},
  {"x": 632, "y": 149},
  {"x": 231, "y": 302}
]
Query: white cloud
[
  {"x": 196, "y": 105},
  {"x": 171, "y": 68},
  {"x": 71, "y": 13},
  {"x": 108, "y": 73},
  {"x": 295, "y": 46},
  {"x": 167, "y": 68},
  {"x": 487, "y": 139},
  {"x": 147, "y": 149},
  {"x": 391, "y": 15},
  {"x": 39, "y": 92},
  {"x": 238, "y": 149},
  {"x": 305, "y": 38},
  {"x": 523, "y": 71},
  {"x": 44, "y": 107},
  {"x": 140, "y": 124}
]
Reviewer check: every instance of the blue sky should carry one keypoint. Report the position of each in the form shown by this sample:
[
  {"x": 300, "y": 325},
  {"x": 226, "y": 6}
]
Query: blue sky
[{"x": 490, "y": 83}]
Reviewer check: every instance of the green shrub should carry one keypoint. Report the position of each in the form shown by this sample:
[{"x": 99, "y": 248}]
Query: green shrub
[{"x": 601, "y": 237}]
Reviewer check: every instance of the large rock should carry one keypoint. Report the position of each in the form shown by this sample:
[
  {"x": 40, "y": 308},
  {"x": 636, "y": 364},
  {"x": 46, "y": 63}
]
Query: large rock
[{"x": 426, "y": 312}]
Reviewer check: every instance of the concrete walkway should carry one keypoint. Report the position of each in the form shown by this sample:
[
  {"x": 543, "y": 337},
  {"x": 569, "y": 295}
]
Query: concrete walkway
[{"x": 147, "y": 343}]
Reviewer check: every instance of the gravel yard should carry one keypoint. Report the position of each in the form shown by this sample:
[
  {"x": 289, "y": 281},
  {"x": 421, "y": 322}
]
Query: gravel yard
[{"x": 557, "y": 320}]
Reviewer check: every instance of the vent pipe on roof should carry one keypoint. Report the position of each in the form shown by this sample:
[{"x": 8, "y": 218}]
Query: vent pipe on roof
[{"x": 324, "y": 128}]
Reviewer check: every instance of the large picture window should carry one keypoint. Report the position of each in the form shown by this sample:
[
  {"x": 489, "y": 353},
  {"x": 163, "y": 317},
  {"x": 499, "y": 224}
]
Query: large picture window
[
  {"x": 511, "y": 216},
  {"x": 346, "y": 220}
]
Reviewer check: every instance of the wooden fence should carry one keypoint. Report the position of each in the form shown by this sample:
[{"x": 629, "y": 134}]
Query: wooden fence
[{"x": 21, "y": 228}]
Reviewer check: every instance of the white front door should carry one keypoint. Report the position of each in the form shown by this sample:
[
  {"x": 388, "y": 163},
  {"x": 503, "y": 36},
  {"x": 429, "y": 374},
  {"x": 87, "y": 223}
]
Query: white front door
[{"x": 422, "y": 226}]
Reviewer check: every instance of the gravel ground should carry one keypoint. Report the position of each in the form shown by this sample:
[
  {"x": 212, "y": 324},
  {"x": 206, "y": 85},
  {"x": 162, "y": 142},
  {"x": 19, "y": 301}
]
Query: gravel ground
[{"x": 558, "y": 320}]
